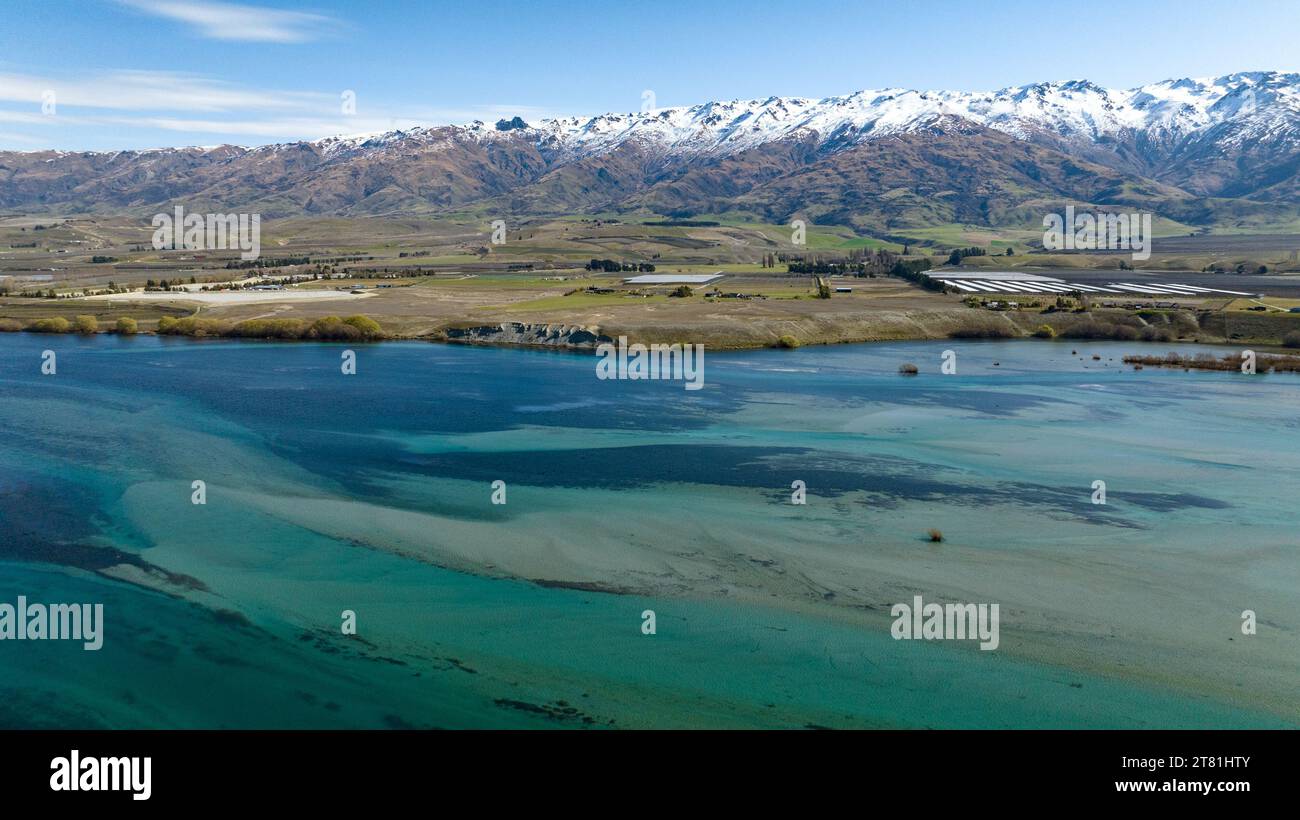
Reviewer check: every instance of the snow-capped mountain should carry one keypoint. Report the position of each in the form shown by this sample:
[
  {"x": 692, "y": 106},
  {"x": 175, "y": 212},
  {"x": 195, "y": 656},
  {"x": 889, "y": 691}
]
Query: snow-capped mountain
[
  {"x": 1076, "y": 110},
  {"x": 1175, "y": 143}
]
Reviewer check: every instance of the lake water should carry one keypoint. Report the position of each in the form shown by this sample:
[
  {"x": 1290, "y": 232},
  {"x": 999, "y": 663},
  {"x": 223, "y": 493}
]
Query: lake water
[{"x": 373, "y": 493}]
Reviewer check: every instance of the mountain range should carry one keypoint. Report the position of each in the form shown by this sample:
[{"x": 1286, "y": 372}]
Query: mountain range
[{"x": 1208, "y": 152}]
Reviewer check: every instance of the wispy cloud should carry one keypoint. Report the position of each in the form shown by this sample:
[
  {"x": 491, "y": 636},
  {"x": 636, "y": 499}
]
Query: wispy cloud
[
  {"x": 10, "y": 137},
  {"x": 157, "y": 90},
  {"x": 234, "y": 21},
  {"x": 139, "y": 109},
  {"x": 313, "y": 128},
  {"x": 289, "y": 129},
  {"x": 24, "y": 117}
]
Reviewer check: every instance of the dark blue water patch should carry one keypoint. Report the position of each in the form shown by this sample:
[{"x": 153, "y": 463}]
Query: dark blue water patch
[
  {"x": 632, "y": 467},
  {"x": 1061, "y": 503},
  {"x": 20, "y": 547},
  {"x": 363, "y": 465},
  {"x": 413, "y": 387},
  {"x": 43, "y": 509},
  {"x": 884, "y": 481},
  {"x": 301, "y": 408},
  {"x": 33, "y": 388},
  {"x": 45, "y": 521},
  {"x": 357, "y": 463}
]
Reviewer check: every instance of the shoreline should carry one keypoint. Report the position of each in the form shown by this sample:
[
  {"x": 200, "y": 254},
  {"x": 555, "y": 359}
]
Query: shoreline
[
  {"x": 763, "y": 311},
  {"x": 484, "y": 337}
]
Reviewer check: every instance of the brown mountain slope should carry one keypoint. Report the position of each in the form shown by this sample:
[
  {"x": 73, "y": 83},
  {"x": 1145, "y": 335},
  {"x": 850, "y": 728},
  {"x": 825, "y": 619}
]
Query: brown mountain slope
[{"x": 954, "y": 170}]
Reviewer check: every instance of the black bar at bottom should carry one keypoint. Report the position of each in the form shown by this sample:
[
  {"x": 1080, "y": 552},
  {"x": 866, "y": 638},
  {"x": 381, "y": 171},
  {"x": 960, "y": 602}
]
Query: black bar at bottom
[{"x": 333, "y": 769}]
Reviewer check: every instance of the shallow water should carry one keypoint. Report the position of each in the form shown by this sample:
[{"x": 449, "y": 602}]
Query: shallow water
[{"x": 372, "y": 493}]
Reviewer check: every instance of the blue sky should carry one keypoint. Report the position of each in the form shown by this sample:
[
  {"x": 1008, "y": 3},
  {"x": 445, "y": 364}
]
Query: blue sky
[{"x": 146, "y": 73}]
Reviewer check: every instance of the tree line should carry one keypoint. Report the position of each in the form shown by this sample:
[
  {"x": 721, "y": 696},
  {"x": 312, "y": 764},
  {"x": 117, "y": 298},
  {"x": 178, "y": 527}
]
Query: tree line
[{"x": 610, "y": 266}]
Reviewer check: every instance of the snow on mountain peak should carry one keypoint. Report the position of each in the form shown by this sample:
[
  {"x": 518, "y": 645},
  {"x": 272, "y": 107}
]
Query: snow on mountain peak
[{"x": 1078, "y": 110}]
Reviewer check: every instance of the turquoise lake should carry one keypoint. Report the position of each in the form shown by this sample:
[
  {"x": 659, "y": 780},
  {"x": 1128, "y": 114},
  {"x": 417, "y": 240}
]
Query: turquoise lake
[{"x": 373, "y": 493}]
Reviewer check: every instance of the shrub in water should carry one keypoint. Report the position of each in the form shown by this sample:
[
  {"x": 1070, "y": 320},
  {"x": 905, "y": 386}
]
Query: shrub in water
[
  {"x": 191, "y": 326},
  {"x": 369, "y": 328},
  {"x": 269, "y": 329},
  {"x": 55, "y": 325},
  {"x": 333, "y": 328}
]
